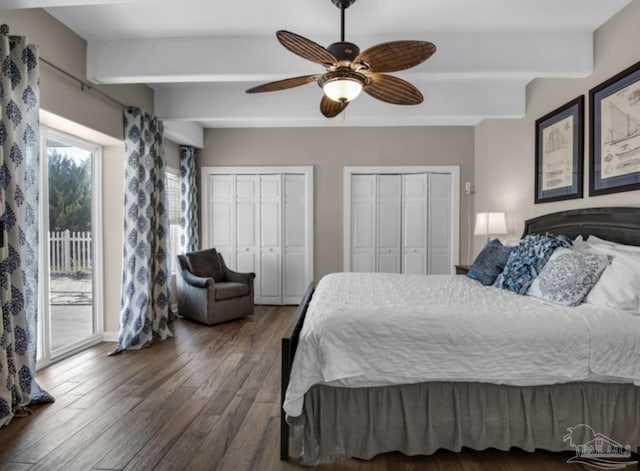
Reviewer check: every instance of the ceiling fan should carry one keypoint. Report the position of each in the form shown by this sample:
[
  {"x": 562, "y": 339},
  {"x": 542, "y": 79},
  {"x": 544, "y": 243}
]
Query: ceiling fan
[{"x": 349, "y": 71}]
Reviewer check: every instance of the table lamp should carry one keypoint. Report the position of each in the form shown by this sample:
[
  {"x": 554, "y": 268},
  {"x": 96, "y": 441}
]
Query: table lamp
[{"x": 490, "y": 224}]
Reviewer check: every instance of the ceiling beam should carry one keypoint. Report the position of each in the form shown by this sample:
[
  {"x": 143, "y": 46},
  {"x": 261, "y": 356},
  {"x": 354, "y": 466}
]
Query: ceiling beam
[
  {"x": 446, "y": 102},
  {"x": 472, "y": 76},
  {"x": 254, "y": 59},
  {"x": 186, "y": 133}
]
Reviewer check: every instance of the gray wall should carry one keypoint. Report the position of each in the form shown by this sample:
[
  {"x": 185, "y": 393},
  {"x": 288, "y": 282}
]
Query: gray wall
[
  {"x": 172, "y": 154},
  {"x": 504, "y": 149},
  {"x": 59, "y": 95},
  {"x": 331, "y": 149}
]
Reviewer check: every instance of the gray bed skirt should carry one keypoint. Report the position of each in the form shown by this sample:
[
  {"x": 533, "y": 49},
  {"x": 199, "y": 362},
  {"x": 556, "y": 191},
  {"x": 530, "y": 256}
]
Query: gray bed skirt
[{"x": 419, "y": 419}]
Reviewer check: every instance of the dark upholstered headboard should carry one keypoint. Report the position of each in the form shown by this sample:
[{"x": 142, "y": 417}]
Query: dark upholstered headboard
[{"x": 617, "y": 224}]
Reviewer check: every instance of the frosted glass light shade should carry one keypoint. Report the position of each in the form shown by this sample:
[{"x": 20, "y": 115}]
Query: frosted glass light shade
[
  {"x": 490, "y": 223},
  {"x": 342, "y": 89}
]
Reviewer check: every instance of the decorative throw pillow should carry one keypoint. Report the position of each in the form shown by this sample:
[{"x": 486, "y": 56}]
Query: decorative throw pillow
[
  {"x": 490, "y": 262},
  {"x": 205, "y": 263},
  {"x": 527, "y": 259},
  {"x": 568, "y": 276}
]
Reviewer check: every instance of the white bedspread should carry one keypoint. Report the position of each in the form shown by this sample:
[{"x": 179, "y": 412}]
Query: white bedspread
[{"x": 379, "y": 329}]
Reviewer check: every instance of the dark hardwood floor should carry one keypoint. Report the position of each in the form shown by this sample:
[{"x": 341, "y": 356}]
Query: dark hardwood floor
[{"x": 207, "y": 399}]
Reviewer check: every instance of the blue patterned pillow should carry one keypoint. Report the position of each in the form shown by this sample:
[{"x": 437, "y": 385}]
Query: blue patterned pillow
[
  {"x": 568, "y": 276},
  {"x": 526, "y": 261},
  {"x": 489, "y": 263}
]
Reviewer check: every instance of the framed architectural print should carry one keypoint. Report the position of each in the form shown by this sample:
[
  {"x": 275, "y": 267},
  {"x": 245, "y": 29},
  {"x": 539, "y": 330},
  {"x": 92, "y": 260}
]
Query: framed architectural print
[
  {"x": 614, "y": 108},
  {"x": 560, "y": 153}
]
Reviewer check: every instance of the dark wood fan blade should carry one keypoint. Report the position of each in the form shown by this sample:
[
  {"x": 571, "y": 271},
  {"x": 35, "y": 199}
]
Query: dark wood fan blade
[
  {"x": 331, "y": 108},
  {"x": 306, "y": 48},
  {"x": 393, "y": 90},
  {"x": 396, "y": 55},
  {"x": 284, "y": 84}
]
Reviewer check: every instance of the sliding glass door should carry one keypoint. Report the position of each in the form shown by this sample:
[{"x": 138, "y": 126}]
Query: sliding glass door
[{"x": 70, "y": 245}]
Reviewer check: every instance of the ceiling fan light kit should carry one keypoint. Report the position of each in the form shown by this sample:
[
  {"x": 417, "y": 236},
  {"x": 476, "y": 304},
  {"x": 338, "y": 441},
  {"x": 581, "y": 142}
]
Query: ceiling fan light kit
[
  {"x": 349, "y": 71},
  {"x": 343, "y": 85}
]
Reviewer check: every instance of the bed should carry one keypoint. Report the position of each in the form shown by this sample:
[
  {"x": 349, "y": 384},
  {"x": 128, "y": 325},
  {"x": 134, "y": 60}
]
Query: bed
[{"x": 430, "y": 398}]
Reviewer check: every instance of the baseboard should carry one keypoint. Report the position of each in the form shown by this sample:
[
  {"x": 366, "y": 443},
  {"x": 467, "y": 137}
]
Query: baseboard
[{"x": 110, "y": 336}]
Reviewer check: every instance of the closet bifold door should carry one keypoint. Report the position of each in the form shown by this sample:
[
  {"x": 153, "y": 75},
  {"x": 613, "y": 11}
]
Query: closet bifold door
[
  {"x": 389, "y": 197},
  {"x": 294, "y": 241},
  {"x": 270, "y": 283},
  {"x": 414, "y": 223},
  {"x": 247, "y": 223},
  {"x": 439, "y": 224},
  {"x": 363, "y": 223},
  {"x": 221, "y": 217}
]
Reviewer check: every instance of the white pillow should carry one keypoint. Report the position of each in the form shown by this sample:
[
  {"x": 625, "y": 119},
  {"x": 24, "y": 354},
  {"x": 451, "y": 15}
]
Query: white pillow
[
  {"x": 619, "y": 285},
  {"x": 580, "y": 245},
  {"x": 596, "y": 241}
]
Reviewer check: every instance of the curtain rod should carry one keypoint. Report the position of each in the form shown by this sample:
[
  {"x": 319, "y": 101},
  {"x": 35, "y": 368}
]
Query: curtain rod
[{"x": 84, "y": 84}]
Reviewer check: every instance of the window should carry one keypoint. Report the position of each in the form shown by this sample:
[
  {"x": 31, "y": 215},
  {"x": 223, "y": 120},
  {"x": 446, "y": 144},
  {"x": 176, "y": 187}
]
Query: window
[
  {"x": 70, "y": 290},
  {"x": 173, "y": 202}
]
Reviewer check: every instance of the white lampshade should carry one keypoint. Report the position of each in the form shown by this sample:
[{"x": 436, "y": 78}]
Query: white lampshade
[
  {"x": 490, "y": 223},
  {"x": 342, "y": 89}
]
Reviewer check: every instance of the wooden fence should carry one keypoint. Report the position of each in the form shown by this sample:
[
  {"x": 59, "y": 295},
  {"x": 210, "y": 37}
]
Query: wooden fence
[{"x": 70, "y": 252}]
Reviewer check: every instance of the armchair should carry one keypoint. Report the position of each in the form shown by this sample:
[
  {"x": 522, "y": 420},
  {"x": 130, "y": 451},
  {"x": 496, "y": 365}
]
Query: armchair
[{"x": 209, "y": 292}]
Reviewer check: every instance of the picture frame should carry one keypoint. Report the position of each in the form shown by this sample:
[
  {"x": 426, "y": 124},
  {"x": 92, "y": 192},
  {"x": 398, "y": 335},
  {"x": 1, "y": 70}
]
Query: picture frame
[
  {"x": 559, "y": 152},
  {"x": 614, "y": 126}
]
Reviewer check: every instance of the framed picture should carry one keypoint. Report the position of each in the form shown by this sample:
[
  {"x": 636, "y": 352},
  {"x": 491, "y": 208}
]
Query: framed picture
[
  {"x": 560, "y": 153},
  {"x": 614, "y": 108}
]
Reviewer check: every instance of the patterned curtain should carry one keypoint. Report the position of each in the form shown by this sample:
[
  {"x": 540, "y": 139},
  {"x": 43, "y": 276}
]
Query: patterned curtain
[
  {"x": 189, "y": 203},
  {"x": 19, "y": 179},
  {"x": 145, "y": 293}
]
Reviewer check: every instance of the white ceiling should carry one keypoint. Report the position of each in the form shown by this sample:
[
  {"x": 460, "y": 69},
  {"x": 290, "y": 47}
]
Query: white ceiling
[
  {"x": 200, "y": 55},
  {"x": 185, "y": 18}
]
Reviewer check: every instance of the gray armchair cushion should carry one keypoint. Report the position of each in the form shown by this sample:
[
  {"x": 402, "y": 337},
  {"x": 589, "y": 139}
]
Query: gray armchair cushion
[
  {"x": 228, "y": 290},
  {"x": 206, "y": 264}
]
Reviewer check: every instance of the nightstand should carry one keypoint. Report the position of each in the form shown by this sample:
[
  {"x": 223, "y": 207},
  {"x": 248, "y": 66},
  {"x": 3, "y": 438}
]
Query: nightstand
[{"x": 462, "y": 269}]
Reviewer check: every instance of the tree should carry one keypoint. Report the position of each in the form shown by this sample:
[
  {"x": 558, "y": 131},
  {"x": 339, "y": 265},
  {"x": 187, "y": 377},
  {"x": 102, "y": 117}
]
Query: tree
[{"x": 69, "y": 193}]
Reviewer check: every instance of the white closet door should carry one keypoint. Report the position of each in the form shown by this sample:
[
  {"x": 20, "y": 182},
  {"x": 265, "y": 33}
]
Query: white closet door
[
  {"x": 294, "y": 224},
  {"x": 247, "y": 223},
  {"x": 271, "y": 239},
  {"x": 414, "y": 224},
  {"x": 222, "y": 216},
  {"x": 259, "y": 220},
  {"x": 389, "y": 192},
  {"x": 363, "y": 223},
  {"x": 439, "y": 225}
]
